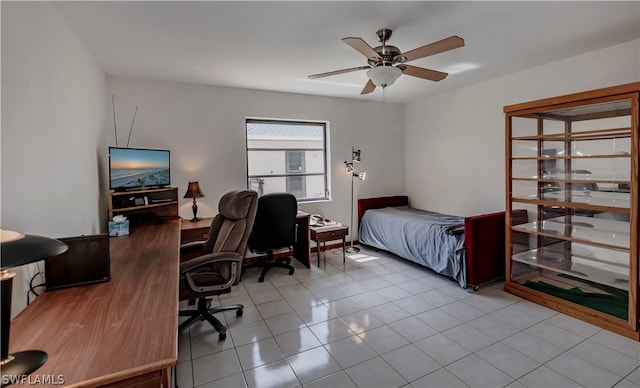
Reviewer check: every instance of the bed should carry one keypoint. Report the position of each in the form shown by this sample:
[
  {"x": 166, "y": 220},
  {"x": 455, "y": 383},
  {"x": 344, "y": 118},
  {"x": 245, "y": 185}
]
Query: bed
[{"x": 470, "y": 250}]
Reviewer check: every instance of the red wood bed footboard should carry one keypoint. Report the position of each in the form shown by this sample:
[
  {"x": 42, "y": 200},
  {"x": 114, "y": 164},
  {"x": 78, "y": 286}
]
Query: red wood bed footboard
[{"x": 484, "y": 239}]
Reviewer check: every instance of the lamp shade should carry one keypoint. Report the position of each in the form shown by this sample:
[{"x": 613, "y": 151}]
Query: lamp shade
[
  {"x": 348, "y": 167},
  {"x": 18, "y": 249},
  {"x": 355, "y": 155},
  {"x": 193, "y": 191},
  {"x": 384, "y": 76}
]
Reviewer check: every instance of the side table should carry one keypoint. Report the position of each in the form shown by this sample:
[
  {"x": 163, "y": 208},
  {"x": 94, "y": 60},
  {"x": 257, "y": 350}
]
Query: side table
[{"x": 322, "y": 234}]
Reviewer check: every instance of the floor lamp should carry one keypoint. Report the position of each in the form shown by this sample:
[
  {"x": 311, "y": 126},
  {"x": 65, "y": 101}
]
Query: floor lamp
[
  {"x": 350, "y": 169},
  {"x": 19, "y": 249}
]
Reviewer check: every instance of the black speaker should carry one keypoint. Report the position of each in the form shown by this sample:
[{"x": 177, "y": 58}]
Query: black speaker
[{"x": 85, "y": 262}]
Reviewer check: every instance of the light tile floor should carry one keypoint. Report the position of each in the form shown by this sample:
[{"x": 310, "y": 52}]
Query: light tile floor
[{"x": 379, "y": 321}]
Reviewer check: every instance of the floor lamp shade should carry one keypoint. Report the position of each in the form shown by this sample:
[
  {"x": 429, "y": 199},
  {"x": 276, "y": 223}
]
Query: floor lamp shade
[{"x": 17, "y": 249}]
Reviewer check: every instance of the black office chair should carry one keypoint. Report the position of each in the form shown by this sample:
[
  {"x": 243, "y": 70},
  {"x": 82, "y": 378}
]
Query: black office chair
[{"x": 274, "y": 228}]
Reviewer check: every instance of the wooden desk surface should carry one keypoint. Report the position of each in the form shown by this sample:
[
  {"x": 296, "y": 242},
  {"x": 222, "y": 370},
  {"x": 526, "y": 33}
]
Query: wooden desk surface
[{"x": 108, "y": 332}]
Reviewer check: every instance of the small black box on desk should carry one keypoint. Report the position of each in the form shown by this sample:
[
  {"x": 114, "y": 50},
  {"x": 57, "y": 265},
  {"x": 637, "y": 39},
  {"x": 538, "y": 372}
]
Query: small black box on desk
[{"x": 85, "y": 262}]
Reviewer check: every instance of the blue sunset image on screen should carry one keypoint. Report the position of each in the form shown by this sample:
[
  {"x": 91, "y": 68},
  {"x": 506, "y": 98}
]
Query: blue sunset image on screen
[{"x": 136, "y": 167}]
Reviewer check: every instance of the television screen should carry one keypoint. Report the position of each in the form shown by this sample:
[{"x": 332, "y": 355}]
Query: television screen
[
  {"x": 131, "y": 168},
  {"x": 85, "y": 262}
]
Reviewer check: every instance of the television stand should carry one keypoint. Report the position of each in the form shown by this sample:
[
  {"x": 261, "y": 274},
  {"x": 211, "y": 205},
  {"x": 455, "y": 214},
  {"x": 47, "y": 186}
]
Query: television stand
[{"x": 139, "y": 205}]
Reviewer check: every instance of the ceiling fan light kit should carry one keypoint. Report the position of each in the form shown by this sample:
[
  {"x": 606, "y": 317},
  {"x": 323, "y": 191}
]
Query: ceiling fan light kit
[
  {"x": 386, "y": 63},
  {"x": 384, "y": 76}
]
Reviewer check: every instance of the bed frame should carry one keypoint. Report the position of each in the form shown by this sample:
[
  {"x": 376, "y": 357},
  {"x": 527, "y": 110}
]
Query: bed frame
[{"x": 484, "y": 240}]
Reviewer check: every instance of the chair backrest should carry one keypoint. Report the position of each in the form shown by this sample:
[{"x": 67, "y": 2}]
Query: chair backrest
[
  {"x": 230, "y": 229},
  {"x": 275, "y": 223}
]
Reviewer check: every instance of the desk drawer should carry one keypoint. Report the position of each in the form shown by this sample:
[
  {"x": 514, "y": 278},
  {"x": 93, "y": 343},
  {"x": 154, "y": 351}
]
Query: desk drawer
[
  {"x": 329, "y": 234},
  {"x": 187, "y": 236}
]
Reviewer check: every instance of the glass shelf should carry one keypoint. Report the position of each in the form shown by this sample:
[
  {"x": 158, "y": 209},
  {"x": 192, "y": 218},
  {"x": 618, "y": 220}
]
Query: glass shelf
[
  {"x": 610, "y": 274},
  {"x": 589, "y": 230},
  {"x": 612, "y": 201}
]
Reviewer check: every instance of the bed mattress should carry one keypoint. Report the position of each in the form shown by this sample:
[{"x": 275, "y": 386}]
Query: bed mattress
[{"x": 431, "y": 239}]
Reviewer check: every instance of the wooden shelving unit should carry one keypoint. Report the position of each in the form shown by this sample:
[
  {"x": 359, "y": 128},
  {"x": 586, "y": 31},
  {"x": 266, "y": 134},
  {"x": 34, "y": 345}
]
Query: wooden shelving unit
[
  {"x": 572, "y": 162},
  {"x": 144, "y": 206}
]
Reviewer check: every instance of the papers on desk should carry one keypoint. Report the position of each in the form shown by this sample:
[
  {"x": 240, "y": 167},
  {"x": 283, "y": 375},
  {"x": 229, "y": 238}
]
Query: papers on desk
[{"x": 326, "y": 225}]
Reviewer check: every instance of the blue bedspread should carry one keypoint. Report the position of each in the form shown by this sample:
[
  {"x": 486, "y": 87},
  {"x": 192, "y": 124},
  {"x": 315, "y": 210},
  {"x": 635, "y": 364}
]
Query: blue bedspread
[{"x": 430, "y": 239}]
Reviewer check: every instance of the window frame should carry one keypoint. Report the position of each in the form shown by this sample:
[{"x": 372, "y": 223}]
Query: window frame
[{"x": 325, "y": 150}]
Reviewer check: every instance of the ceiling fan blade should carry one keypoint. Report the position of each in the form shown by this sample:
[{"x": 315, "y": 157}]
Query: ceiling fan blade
[
  {"x": 368, "y": 88},
  {"x": 336, "y": 72},
  {"x": 420, "y": 72},
  {"x": 362, "y": 46},
  {"x": 446, "y": 44}
]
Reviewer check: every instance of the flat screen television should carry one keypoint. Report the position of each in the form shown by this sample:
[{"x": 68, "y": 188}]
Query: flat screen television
[
  {"x": 136, "y": 168},
  {"x": 85, "y": 262}
]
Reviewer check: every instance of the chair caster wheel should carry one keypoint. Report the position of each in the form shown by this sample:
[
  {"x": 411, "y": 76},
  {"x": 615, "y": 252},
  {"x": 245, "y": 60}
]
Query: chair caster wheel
[
  {"x": 222, "y": 336},
  {"x": 291, "y": 271},
  {"x": 239, "y": 313},
  {"x": 261, "y": 279}
]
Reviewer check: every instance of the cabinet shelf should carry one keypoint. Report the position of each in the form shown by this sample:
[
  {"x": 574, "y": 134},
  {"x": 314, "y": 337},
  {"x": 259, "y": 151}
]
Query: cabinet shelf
[
  {"x": 572, "y": 163},
  {"x": 587, "y": 230},
  {"x": 151, "y": 205},
  {"x": 143, "y": 206},
  {"x": 605, "y": 134},
  {"x": 608, "y": 274},
  {"x": 595, "y": 200},
  {"x": 570, "y": 178},
  {"x": 569, "y": 157}
]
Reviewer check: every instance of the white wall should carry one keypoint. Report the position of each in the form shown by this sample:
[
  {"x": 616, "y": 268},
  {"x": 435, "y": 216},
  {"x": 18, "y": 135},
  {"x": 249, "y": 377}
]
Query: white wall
[
  {"x": 204, "y": 127},
  {"x": 53, "y": 106},
  {"x": 455, "y": 142}
]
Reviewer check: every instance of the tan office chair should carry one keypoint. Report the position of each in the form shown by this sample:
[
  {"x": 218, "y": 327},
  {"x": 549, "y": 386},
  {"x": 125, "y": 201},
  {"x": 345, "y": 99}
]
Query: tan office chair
[{"x": 218, "y": 261}]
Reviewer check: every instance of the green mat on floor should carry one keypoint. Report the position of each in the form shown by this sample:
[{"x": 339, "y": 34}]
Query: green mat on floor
[{"x": 614, "y": 303}]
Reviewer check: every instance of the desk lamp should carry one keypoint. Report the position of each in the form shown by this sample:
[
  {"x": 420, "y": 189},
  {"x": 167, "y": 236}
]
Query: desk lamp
[
  {"x": 350, "y": 169},
  {"x": 193, "y": 191},
  {"x": 18, "y": 249}
]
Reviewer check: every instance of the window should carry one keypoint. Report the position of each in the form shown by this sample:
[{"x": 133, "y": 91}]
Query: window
[{"x": 288, "y": 156}]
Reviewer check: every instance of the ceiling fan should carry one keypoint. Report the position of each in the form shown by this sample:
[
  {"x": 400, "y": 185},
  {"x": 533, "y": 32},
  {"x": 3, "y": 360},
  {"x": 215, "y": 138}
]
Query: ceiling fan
[{"x": 387, "y": 63}]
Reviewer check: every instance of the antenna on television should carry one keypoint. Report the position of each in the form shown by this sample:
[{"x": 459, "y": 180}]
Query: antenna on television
[
  {"x": 115, "y": 129},
  {"x": 131, "y": 129}
]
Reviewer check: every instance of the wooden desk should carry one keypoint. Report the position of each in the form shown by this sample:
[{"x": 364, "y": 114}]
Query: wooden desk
[
  {"x": 302, "y": 250},
  {"x": 191, "y": 231},
  {"x": 122, "y": 333}
]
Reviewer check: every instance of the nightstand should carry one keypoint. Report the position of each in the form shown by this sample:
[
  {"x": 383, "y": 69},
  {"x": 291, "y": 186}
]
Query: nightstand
[{"x": 322, "y": 234}]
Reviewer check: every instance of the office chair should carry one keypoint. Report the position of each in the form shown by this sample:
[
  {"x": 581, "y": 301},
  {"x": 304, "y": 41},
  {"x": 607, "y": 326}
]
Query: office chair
[
  {"x": 219, "y": 261},
  {"x": 274, "y": 228}
]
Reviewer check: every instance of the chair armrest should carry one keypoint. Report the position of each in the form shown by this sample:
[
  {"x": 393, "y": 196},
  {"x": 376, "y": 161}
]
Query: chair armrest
[
  {"x": 192, "y": 245},
  {"x": 212, "y": 258}
]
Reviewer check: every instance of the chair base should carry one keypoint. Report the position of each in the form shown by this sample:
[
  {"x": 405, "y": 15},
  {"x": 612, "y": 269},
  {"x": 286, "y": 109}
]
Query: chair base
[
  {"x": 269, "y": 263},
  {"x": 205, "y": 311}
]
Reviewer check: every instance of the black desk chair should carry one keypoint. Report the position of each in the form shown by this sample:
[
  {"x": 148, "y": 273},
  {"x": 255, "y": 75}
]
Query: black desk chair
[{"x": 274, "y": 228}]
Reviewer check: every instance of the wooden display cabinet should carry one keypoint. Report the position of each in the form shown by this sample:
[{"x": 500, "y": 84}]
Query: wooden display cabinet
[
  {"x": 144, "y": 206},
  {"x": 572, "y": 163}
]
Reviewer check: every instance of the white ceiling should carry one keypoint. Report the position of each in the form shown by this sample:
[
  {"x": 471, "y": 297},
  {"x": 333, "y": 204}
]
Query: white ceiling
[{"x": 276, "y": 45}]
